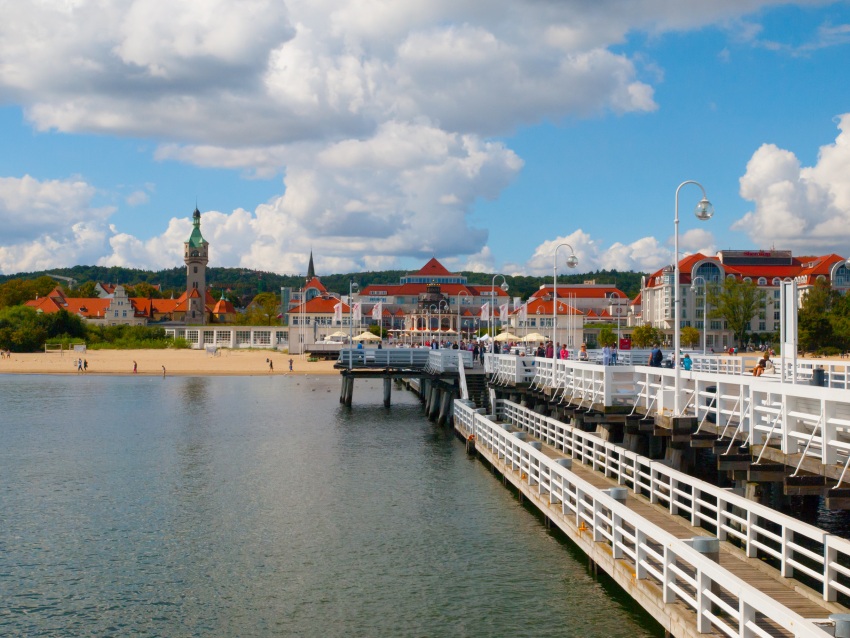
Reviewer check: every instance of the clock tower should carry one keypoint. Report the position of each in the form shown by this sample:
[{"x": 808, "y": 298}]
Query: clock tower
[{"x": 196, "y": 256}]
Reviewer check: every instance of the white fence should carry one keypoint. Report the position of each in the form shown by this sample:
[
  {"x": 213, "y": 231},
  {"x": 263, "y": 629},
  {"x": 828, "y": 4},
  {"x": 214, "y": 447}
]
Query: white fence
[{"x": 682, "y": 573}]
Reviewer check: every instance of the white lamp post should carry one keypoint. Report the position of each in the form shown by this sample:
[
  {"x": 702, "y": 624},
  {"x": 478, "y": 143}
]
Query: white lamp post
[
  {"x": 459, "y": 330},
  {"x": 504, "y": 287},
  {"x": 572, "y": 262},
  {"x": 352, "y": 288},
  {"x": 439, "y": 307},
  {"x": 703, "y": 211},
  {"x": 704, "y": 310}
]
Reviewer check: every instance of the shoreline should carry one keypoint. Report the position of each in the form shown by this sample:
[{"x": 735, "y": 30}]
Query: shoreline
[{"x": 176, "y": 362}]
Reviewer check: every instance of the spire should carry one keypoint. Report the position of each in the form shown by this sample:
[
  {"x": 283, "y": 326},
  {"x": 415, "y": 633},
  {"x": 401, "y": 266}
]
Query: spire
[{"x": 311, "y": 271}]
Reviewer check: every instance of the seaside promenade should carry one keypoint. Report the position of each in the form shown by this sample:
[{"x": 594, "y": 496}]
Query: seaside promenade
[{"x": 176, "y": 362}]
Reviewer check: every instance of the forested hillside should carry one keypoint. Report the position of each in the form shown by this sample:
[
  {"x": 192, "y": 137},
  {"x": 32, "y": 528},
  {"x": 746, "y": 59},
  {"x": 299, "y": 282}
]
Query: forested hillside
[{"x": 244, "y": 284}]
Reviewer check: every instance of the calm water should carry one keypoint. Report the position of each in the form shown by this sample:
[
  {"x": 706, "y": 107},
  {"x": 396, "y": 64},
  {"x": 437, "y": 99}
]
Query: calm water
[{"x": 257, "y": 506}]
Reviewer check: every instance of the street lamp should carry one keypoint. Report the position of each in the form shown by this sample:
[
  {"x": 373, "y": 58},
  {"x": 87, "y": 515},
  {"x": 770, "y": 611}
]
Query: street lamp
[
  {"x": 459, "y": 331},
  {"x": 572, "y": 262},
  {"x": 504, "y": 287},
  {"x": 352, "y": 288},
  {"x": 704, "y": 309},
  {"x": 439, "y": 307},
  {"x": 703, "y": 211}
]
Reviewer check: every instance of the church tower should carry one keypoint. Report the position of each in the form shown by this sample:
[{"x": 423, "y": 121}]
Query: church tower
[
  {"x": 311, "y": 271},
  {"x": 196, "y": 256}
]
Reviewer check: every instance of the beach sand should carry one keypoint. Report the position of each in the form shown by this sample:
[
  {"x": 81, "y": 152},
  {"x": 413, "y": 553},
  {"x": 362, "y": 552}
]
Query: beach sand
[{"x": 176, "y": 362}]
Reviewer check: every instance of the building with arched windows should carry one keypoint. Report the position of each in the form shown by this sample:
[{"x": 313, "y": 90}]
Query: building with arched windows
[{"x": 764, "y": 268}]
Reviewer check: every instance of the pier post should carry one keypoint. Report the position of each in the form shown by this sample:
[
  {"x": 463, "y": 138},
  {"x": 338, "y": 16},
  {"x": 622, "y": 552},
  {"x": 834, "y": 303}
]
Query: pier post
[
  {"x": 388, "y": 388},
  {"x": 348, "y": 391},
  {"x": 433, "y": 401},
  {"x": 445, "y": 407}
]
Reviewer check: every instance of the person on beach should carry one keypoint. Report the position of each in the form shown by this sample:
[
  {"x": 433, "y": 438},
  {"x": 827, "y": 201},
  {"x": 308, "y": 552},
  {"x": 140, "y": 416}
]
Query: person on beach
[
  {"x": 85, "y": 365},
  {"x": 79, "y": 366},
  {"x": 163, "y": 370},
  {"x": 271, "y": 365},
  {"x": 290, "y": 365},
  {"x": 135, "y": 367}
]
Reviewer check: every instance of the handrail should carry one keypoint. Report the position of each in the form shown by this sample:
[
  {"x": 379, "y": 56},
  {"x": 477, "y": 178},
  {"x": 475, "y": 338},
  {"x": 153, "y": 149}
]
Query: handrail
[
  {"x": 682, "y": 573},
  {"x": 704, "y": 503}
]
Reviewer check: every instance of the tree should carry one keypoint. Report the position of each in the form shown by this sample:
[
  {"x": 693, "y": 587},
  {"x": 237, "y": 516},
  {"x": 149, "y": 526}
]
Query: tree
[
  {"x": 264, "y": 309},
  {"x": 83, "y": 291},
  {"x": 646, "y": 335},
  {"x": 690, "y": 336},
  {"x": 737, "y": 302},
  {"x": 607, "y": 337},
  {"x": 815, "y": 323}
]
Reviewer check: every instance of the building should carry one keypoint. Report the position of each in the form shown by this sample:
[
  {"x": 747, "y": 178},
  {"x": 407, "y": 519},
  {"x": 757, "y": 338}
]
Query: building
[
  {"x": 432, "y": 299},
  {"x": 196, "y": 257},
  {"x": 764, "y": 268}
]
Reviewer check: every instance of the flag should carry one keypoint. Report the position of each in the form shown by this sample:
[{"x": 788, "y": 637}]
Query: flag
[
  {"x": 377, "y": 311},
  {"x": 355, "y": 310},
  {"x": 338, "y": 313},
  {"x": 523, "y": 313},
  {"x": 485, "y": 310},
  {"x": 503, "y": 312}
]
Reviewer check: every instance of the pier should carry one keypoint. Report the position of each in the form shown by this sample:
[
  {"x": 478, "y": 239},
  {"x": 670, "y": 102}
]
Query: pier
[
  {"x": 435, "y": 375},
  {"x": 700, "y": 559}
]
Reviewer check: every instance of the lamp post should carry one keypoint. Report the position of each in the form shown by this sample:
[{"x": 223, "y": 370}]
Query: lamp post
[
  {"x": 572, "y": 262},
  {"x": 704, "y": 310},
  {"x": 439, "y": 307},
  {"x": 459, "y": 331},
  {"x": 703, "y": 211},
  {"x": 504, "y": 288},
  {"x": 352, "y": 288}
]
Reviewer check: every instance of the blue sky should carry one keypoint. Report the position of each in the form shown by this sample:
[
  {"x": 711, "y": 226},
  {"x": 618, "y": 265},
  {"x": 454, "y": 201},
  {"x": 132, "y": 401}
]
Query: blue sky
[{"x": 379, "y": 137}]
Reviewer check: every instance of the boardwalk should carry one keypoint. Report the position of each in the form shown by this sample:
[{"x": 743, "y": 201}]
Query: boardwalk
[{"x": 640, "y": 537}]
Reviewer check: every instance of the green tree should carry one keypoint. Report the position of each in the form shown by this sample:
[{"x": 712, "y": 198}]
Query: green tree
[
  {"x": 737, "y": 302},
  {"x": 816, "y": 320},
  {"x": 15, "y": 292},
  {"x": 646, "y": 335},
  {"x": 690, "y": 336},
  {"x": 22, "y": 329},
  {"x": 264, "y": 309},
  {"x": 83, "y": 291},
  {"x": 607, "y": 337}
]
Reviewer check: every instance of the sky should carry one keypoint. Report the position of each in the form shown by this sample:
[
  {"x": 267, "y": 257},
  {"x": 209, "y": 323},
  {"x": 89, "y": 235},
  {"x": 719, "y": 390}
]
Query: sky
[{"x": 378, "y": 134}]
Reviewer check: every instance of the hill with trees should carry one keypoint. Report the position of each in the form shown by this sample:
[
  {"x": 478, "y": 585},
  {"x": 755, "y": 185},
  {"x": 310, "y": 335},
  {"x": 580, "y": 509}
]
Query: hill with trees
[{"x": 241, "y": 285}]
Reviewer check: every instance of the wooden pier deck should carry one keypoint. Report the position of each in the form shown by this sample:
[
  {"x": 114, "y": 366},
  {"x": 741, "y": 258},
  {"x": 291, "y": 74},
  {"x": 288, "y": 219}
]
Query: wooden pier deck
[{"x": 676, "y": 612}]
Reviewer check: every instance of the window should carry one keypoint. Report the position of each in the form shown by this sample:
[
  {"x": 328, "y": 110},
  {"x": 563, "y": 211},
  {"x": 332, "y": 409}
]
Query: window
[
  {"x": 762, "y": 326},
  {"x": 776, "y": 316},
  {"x": 730, "y": 276},
  {"x": 748, "y": 280},
  {"x": 762, "y": 281},
  {"x": 776, "y": 281},
  {"x": 196, "y": 269}
]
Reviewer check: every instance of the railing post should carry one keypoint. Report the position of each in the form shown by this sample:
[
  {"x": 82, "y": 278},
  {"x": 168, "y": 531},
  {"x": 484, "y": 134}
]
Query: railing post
[
  {"x": 668, "y": 595},
  {"x": 830, "y": 556}
]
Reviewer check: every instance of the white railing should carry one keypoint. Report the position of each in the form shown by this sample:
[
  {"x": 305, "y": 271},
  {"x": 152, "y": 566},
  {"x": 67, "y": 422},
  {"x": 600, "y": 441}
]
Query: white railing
[
  {"x": 683, "y": 574},
  {"x": 447, "y": 360},
  {"x": 760, "y": 531},
  {"x": 385, "y": 357}
]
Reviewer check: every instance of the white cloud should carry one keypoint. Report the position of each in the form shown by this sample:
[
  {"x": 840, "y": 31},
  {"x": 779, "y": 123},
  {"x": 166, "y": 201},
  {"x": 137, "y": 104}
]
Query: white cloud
[
  {"x": 806, "y": 209},
  {"x": 136, "y": 198},
  {"x": 378, "y": 114}
]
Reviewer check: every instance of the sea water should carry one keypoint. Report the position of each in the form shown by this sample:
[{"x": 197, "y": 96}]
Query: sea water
[{"x": 258, "y": 506}]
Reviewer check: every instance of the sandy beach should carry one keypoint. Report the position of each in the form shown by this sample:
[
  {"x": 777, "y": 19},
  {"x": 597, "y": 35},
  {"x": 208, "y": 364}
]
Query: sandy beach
[{"x": 176, "y": 362}]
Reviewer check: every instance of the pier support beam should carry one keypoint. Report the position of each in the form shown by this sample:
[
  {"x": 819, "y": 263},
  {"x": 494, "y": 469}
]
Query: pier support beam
[
  {"x": 347, "y": 390},
  {"x": 388, "y": 389},
  {"x": 446, "y": 403}
]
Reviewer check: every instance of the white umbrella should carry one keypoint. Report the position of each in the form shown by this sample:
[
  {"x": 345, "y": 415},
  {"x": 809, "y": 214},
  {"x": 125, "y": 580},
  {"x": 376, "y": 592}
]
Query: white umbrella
[
  {"x": 338, "y": 334},
  {"x": 367, "y": 336},
  {"x": 507, "y": 336},
  {"x": 535, "y": 336}
]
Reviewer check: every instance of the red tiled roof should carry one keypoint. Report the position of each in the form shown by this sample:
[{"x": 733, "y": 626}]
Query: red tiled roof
[
  {"x": 320, "y": 305},
  {"x": 545, "y": 307},
  {"x": 223, "y": 306},
  {"x": 433, "y": 269},
  {"x": 315, "y": 283},
  {"x": 581, "y": 292}
]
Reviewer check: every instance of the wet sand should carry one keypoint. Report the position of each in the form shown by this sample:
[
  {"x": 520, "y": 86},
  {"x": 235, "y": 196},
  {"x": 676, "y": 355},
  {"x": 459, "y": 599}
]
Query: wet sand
[{"x": 176, "y": 362}]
